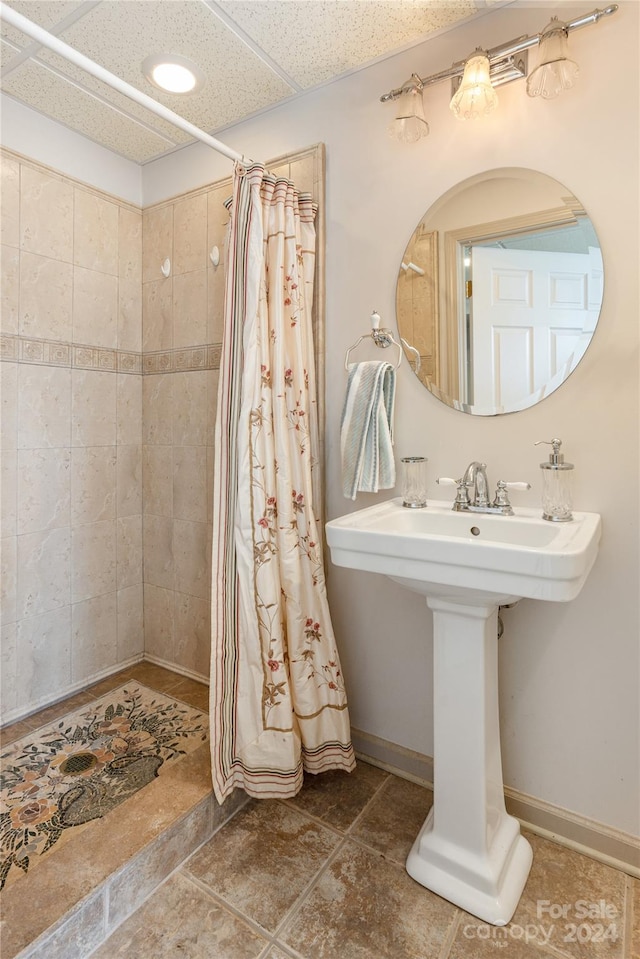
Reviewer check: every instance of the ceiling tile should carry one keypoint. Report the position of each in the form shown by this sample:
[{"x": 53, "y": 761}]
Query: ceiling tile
[
  {"x": 46, "y": 13},
  {"x": 120, "y": 36},
  {"x": 43, "y": 90},
  {"x": 317, "y": 41},
  {"x": 104, "y": 91},
  {"x": 7, "y": 52},
  {"x": 253, "y": 53}
]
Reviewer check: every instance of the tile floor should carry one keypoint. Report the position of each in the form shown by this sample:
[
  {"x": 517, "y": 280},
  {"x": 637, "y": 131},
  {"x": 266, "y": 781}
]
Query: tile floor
[{"x": 321, "y": 876}]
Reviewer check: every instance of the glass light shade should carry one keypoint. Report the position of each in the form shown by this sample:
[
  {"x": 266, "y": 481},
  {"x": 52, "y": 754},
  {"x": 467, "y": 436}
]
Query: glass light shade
[
  {"x": 555, "y": 71},
  {"x": 173, "y": 73},
  {"x": 409, "y": 124},
  {"x": 475, "y": 96}
]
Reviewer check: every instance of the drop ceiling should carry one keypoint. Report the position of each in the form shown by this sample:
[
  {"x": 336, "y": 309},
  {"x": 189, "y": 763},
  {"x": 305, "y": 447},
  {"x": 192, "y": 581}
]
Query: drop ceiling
[{"x": 255, "y": 54}]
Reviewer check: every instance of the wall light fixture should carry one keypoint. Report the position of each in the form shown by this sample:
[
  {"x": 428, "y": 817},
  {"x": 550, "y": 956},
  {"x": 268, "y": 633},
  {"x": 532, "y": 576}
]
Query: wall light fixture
[
  {"x": 410, "y": 124},
  {"x": 555, "y": 72},
  {"x": 475, "y": 96},
  {"x": 474, "y": 79}
]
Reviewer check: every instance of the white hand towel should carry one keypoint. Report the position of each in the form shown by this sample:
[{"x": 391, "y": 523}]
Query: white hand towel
[{"x": 366, "y": 431}]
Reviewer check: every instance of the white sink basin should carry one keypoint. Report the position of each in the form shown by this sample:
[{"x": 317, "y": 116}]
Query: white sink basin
[
  {"x": 469, "y": 849},
  {"x": 509, "y": 556}
]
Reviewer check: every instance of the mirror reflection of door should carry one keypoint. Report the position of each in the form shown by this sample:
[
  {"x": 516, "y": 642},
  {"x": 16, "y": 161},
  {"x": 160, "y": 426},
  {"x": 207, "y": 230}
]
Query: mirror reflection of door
[
  {"x": 529, "y": 311},
  {"x": 487, "y": 328}
]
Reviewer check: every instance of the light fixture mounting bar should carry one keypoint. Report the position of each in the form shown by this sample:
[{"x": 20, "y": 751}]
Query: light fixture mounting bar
[{"x": 505, "y": 50}]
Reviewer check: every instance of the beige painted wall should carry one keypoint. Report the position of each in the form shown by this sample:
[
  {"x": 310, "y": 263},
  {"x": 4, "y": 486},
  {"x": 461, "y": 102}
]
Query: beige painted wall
[{"x": 569, "y": 673}]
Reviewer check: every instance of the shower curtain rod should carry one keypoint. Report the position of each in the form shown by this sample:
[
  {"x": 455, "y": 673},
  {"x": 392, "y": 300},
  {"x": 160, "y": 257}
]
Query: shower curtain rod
[{"x": 49, "y": 40}]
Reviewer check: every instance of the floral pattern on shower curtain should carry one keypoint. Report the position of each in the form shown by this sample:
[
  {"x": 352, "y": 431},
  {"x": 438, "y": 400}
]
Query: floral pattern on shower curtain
[{"x": 278, "y": 702}]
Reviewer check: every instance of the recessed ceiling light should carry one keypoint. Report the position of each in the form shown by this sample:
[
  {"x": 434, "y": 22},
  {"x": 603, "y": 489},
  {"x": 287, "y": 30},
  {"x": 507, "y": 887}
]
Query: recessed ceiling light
[{"x": 172, "y": 73}]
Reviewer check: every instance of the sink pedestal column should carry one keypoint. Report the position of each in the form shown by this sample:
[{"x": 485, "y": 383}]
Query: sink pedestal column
[{"x": 469, "y": 849}]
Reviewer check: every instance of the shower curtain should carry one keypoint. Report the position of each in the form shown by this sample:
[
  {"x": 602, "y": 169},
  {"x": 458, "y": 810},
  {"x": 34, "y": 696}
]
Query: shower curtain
[{"x": 277, "y": 702}]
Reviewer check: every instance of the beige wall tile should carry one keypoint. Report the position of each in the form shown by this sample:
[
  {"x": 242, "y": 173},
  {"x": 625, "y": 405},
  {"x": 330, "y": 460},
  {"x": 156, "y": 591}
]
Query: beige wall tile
[
  {"x": 93, "y": 636},
  {"x": 157, "y": 409},
  {"x": 130, "y": 280},
  {"x": 190, "y": 234},
  {"x": 46, "y": 214},
  {"x": 129, "y": 551},
  {"x": 158, "y": 622},
  {"x": 157, "y": 315},
  {"x": 9, "y": 289},
  {"x": 10, "y": 201},
  {"x": 44, "y": 489},
  {"x": 128, "y": 409},
  {"x": 44, "y": 406},
  {"x": 95, "y": 308},
  {"x": 93, "y": 484},
  {"x": 8, "y": 579},
  {"x": 95, "y": 232},
  {"x": 44, "y": 571},
  {"x": 129, "y": 481},
  {"x": 46, "y": 291},
  {"x": 158, "y": 551},
  {"x": 93, "y": 408},
  {"x": 130, "y": 622},
  {"x": 9, "y": 405},
  {"x": 130, "y": 315},
  {"x": 302, "y": 172},
  {"x": 157, "y": 484},
  {"x": 190, "y": 309},
  {"x": 192, "y": 640},
  {"x": 8, "y": 492},
  {"x": 190, "y": 408},
  {"x": 8, "y": 643},
  {"x": 157, "y": 241},
  {"x": 130, "y": 245},
  {"x": 93, "y": 560},
  {"x": 192, "y": 560},
  {"x": 43, "y": 656},
  {"x": 190, "y": 483}
]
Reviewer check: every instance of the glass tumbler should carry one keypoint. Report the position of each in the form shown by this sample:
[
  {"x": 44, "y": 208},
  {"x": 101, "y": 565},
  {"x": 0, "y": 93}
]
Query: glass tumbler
[{"x": 414, "y": 481}]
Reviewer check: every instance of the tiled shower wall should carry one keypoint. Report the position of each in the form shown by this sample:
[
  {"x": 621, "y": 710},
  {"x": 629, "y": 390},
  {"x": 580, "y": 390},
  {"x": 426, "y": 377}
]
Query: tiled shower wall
[
  {"x": 71, "y": 388},
  {"x": 181, "y": 337},
  {"x": 109, "y": 380}
]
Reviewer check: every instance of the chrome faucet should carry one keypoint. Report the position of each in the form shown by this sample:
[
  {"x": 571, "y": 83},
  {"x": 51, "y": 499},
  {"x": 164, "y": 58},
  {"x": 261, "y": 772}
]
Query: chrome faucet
[
  {"x": 472, "y": 495},
  {"x": 475, "y": 481}
]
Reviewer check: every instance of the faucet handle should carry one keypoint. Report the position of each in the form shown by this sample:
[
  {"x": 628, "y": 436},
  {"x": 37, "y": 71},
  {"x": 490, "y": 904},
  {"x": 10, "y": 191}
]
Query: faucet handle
[
  {"x": 462, "y": 496},
  {"x": 502, "y": 496}
]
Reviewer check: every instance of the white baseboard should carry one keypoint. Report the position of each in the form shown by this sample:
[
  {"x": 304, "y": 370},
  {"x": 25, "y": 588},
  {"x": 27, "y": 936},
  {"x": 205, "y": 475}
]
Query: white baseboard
[{"x": 595, "y": 839}]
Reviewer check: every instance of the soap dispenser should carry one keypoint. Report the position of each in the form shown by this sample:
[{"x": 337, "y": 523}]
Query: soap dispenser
[{"x": 557, "y": 496}]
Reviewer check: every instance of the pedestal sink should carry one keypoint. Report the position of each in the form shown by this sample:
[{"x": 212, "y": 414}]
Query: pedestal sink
[{"x": 469, "y": 850}]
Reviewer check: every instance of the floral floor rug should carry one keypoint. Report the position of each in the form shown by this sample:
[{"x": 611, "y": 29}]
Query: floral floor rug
[{"x": 82, "y": 766}]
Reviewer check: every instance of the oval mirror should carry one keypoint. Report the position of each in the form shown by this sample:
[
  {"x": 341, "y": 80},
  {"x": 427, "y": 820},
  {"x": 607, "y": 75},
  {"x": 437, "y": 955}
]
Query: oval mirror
[{"x": 499, "y": 291}]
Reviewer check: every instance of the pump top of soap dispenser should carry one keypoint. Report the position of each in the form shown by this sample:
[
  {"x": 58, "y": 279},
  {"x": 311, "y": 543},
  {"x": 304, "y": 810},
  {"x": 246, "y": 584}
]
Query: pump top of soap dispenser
[{"x": 556, "y": 458}]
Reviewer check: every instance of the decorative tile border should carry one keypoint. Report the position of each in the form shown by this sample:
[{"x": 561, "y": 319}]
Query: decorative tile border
[
  {"x": 21, "y": 349},
  {"x": 178, "y": 361}
]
